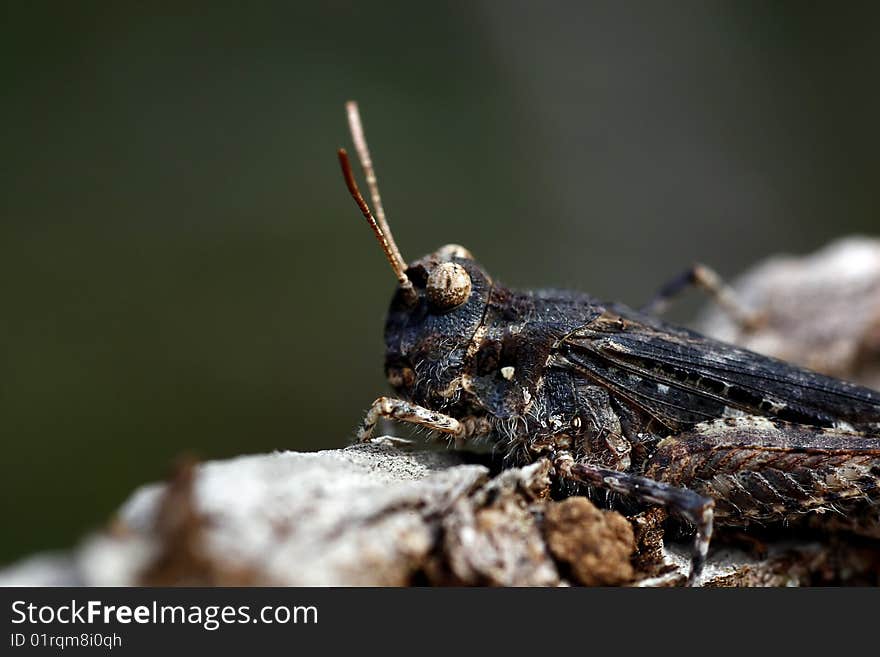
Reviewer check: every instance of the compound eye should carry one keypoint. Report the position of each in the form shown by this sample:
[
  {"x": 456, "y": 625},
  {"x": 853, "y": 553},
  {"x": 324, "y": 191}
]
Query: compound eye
[{"x": 449, "y": 285}]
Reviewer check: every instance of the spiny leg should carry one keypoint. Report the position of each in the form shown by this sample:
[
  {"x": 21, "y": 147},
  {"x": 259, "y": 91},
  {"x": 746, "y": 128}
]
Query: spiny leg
[
  {"x": 694, "y": 508},
  {"x": 404, "y": 411},
  {"x": 710, "y": 282}
]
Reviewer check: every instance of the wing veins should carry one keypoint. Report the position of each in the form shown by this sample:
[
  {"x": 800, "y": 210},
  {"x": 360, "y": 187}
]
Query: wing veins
[{"x": 636, "y": 397}]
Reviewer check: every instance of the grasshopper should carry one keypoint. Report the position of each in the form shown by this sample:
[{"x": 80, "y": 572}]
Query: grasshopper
[{"x": 615, "y": 398}]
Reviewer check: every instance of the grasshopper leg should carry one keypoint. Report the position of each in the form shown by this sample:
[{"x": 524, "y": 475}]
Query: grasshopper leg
[
  {"x": 695, "y": 508},
  {"x": 709, "y": 281},
  {"x": 401, "y": 410},
  {"x": 761, "y": 471}
]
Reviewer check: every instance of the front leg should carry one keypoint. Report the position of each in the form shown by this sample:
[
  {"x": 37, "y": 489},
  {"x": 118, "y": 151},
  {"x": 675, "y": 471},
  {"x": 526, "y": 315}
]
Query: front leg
[
  {"x": 404, "y": 411},
  {"x": 694, "y": 508}
]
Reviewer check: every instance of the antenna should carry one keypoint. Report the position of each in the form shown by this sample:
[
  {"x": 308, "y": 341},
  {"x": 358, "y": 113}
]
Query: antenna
[
  {"x": 360, "y": 144},
  {"x": 377, "y": 223},
  {"x": 386, "y": 244}
]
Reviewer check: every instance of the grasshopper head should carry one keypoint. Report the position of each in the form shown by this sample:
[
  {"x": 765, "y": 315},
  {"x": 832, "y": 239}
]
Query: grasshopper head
[
  {"x": 438, "y": 306},
  {"x": 428, "y": 333}
]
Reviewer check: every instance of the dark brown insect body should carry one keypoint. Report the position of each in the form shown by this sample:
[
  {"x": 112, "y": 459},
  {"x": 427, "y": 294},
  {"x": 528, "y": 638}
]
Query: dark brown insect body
[{"x": 624, "y": 402}]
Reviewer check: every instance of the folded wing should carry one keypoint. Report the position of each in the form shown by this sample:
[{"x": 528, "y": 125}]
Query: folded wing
[{"x": 682, "y": 378}]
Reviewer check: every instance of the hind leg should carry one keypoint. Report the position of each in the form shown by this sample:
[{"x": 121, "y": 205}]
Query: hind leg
[
  {"x": 758, "y": 470},
  {"x": 712, "y": 284}
]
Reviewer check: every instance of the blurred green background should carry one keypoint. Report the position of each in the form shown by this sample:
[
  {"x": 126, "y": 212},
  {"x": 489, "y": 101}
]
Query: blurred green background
[{"x": 182, "y": 268}]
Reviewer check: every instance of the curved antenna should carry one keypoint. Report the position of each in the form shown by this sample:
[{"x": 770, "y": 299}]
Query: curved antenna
[
  {"x": 387, "y": 245},
  {"x": 360, "y": 144}
]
